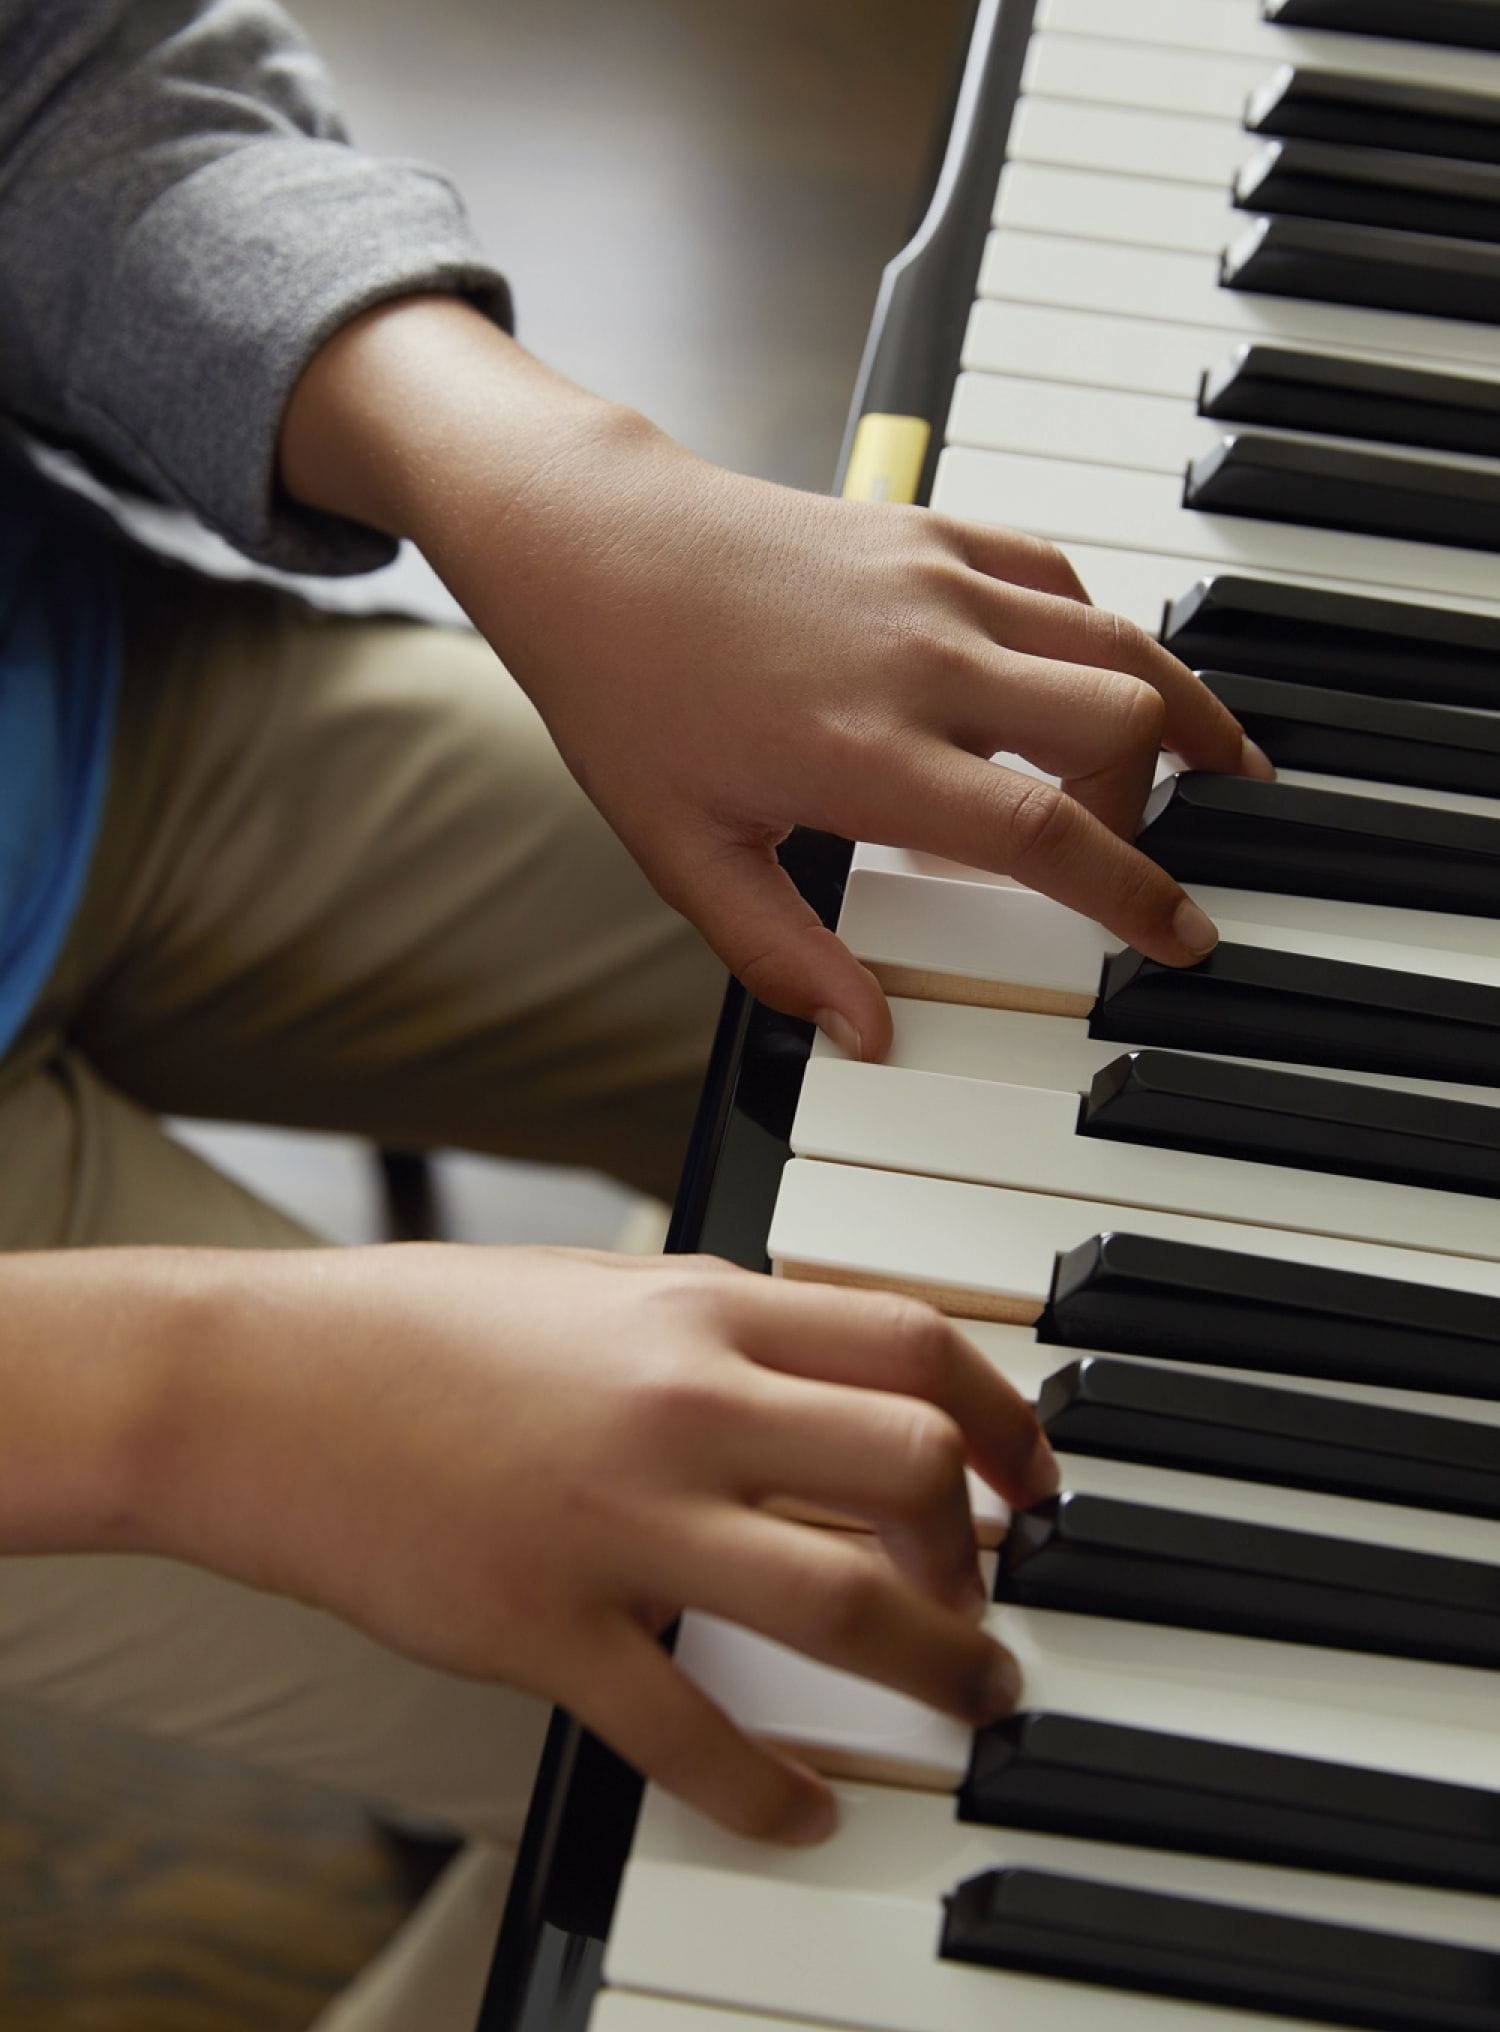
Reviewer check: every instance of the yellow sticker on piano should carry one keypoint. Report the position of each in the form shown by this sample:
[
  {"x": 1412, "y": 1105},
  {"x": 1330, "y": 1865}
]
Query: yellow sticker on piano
[{"x": 885, "y": 461}]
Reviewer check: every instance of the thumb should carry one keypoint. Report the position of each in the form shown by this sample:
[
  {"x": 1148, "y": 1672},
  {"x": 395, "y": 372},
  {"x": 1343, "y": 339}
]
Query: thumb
[{"x": 747, "y": 907}]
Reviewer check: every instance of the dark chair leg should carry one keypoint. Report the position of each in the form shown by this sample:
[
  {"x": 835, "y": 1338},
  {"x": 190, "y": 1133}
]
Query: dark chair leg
[{"x": 413, "y": 1205}]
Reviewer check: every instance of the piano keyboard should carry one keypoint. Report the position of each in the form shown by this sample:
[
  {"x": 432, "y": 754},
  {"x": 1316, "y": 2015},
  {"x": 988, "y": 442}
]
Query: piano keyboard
[{"x": 1234, "y": 344}]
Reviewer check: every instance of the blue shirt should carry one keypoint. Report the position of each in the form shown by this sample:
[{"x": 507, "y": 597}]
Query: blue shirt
[{"x": 59, "y": 676}]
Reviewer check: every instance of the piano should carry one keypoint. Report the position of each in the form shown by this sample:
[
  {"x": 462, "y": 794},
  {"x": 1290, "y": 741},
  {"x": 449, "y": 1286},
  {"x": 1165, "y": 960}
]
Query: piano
[{"x": 1208, "y": 292}]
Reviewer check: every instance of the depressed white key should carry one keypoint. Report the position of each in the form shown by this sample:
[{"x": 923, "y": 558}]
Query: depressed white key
[
  {"x": 1071, "y": 502},
  {"x": 1003, "y": 946},
  {"x": 846, "y": 1931},
  {"x": 1184, "y": 289},
  {"x": 1421, "y": 1720},
  {"x": 1318, "y": 917},
  {"x": 985, "y": 1252}
]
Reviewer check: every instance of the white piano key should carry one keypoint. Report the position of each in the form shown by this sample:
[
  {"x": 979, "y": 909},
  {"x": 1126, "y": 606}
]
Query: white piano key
[
  {"x": 1072, "y": 502},
  {"x": 1313, "y": 916},
  {"x": 1135, "y": 354},
  {"x": 915, "y": 934},
  {"x": 1212, "y": 84},
  {"x": 993, "y": 1133},
  {"x": 1049, "y": 418},
  {"x": 1209, "y": 83},
  {"x": 1129, "y": 141},
  {"x": 1147, "y": 433},
  {"x": 847, "y": 1931},
  {"x": 1395, "y": 1526},
  {"x": 1235, "y": 28},
  {"x": 637, "y": 2011},
  {"x": 1183, "y": 290},
  {"x": 1022, "y": 1049},
  {"x": 1095, "y": 205},
  {"x": 986, "y": 1252},
  {"x": 853, "y": 1727},
  {"x": 1420, "y": 1720},
  {"x": 1142, "y": 584}
]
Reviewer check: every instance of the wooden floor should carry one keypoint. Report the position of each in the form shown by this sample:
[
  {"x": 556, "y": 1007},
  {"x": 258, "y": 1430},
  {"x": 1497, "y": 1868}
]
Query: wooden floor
[{"x": 694, "y": 199}]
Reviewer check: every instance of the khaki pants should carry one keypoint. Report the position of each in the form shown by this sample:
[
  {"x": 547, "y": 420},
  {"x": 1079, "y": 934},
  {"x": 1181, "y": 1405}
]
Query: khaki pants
[{"x": 343, "y": 882}]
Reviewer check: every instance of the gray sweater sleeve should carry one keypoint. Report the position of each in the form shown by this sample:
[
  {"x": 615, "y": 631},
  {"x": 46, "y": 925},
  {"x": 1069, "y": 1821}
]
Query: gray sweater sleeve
[{"x": 182, "y": 224}]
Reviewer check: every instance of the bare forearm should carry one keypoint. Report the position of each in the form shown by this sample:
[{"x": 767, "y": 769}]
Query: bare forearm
[
  {"x": 411, "y": 410},
  {"x": 90, "y": 1342}
]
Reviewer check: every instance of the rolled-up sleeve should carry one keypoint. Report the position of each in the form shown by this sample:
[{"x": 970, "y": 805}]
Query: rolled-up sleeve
[{"x": 182, "y": 224}]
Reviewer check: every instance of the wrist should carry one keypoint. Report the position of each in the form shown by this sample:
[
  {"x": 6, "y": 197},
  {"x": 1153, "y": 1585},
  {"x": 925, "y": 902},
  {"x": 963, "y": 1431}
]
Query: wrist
[{"x": 421, "y": 416}]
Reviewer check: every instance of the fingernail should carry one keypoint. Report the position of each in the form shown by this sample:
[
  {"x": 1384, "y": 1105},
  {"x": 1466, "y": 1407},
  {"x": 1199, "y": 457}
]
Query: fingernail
[
  {"x": 840, "y": 1031},
  {"x": 1193, "y": 930},
  {"x": 1256, "y": 762},
  {"x": 1002, "y": 1687},
  {"x": 814, "y": 1819}
]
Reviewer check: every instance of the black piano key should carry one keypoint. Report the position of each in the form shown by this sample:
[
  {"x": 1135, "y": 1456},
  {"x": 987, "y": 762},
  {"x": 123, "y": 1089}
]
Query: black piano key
[
  {"x": 1304, "y": 726},
  {"x": 1178, "y": 1101},
  {"x": 1346, "y": 641},
  {"x": 1367, "y": 266},
  {"x": 1463, "y": 24},
  {"x": 1256, "y": 1960},
  {"x": 1301, "y": 104},
  {"x": 1181, "y": 1302},
  {"x": 1097, "y": 1556},
  {"x": 1244, "y": 834},
  {"x": 1278, "y": 479},
  {"x": 1254, "y": 1002},
  {"x": 1372, "y": 187},
  {"x": 1290, "y": 390},
  {"x": 1106, "y": 1782},
  {"x": 1175, "y": 1418}
]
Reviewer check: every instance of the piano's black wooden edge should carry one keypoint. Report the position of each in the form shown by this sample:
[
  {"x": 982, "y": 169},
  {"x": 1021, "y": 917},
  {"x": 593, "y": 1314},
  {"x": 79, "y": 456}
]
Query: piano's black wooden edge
[
  {"x": 912, "y": 355},
  {"x": 550, "y": 1951},
  {"x": 585, "y": 1800}
]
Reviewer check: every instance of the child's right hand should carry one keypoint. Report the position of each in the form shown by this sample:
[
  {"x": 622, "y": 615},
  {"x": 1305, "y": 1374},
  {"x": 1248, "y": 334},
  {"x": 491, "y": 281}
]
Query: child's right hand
[{"x": 521, "y": 1464}]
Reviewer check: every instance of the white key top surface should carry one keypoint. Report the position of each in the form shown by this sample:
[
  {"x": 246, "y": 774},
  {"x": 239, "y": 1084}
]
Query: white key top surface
[
  {"x": 1183, "y": 290},
  {"x": 1141, "y": 354},
  {"x": 996, "y": 1134},
  {"x": 1141, "y": 584},
  {"x": 1417, "y": 1719},
  {"x": 1147, "y": 433},
  {"x": 1072, "y": 502},
  {"x": 635, "y": 2011},
  {"x": 1026, "y": 1050},
  {"x": 847, "y": 1931},
  {"x": 1130, "y": 142},
  {"x": 989, "y": 932},
  {"x": 983, "y": 1243}
]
